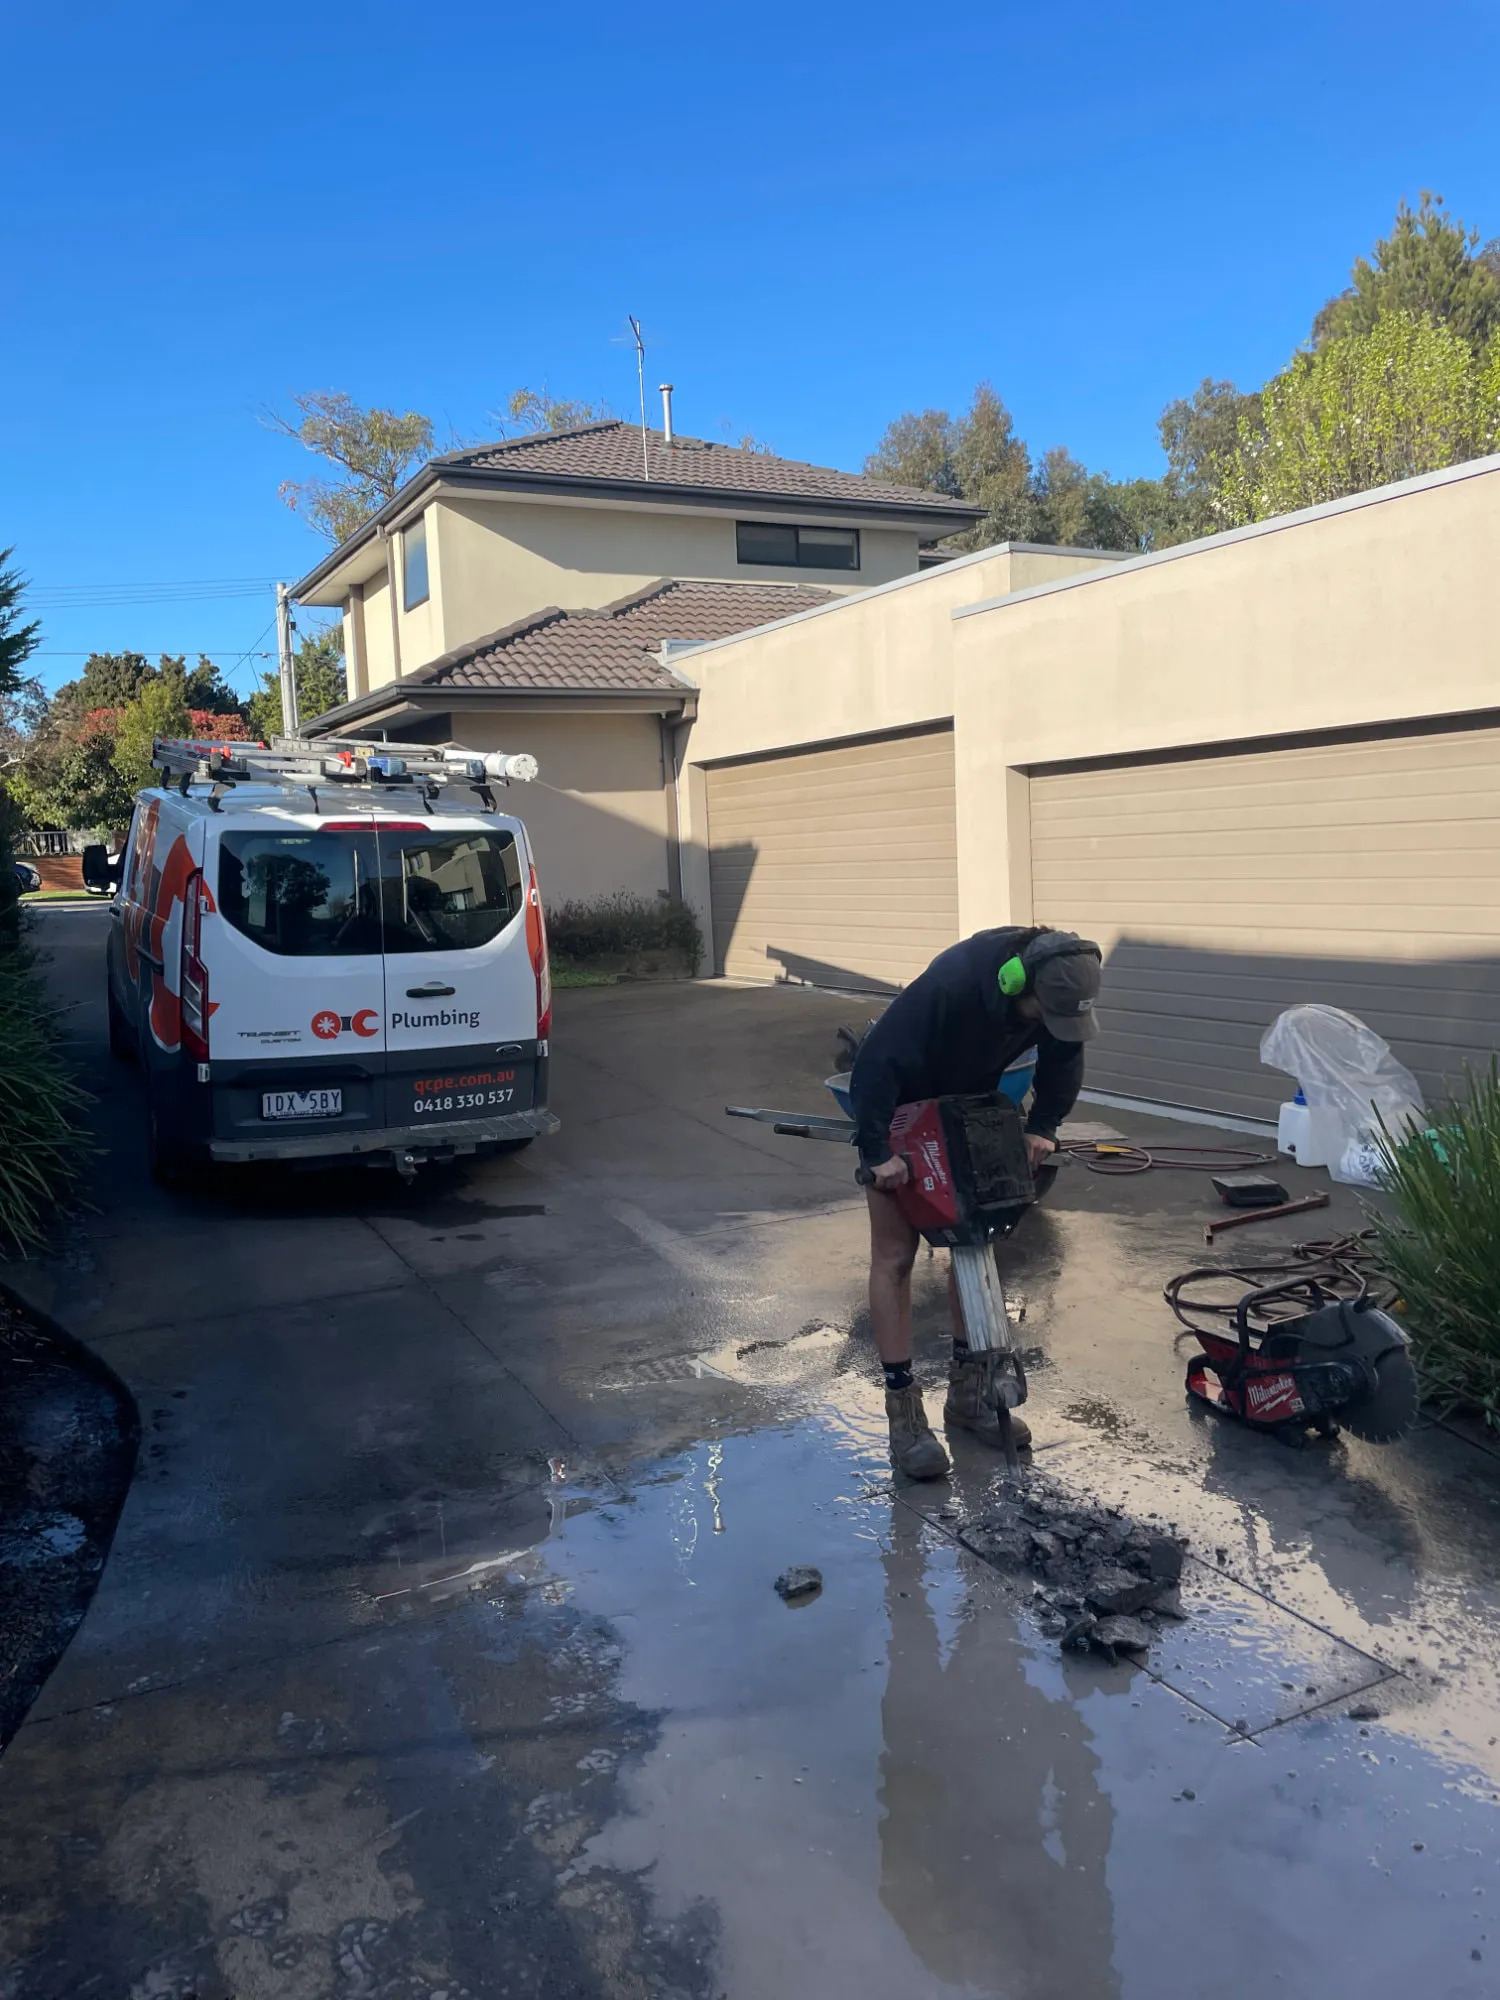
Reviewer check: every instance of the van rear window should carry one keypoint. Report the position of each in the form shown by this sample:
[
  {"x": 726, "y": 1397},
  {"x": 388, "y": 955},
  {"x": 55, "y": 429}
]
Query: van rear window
[
  {"x": 321, "y": 895},
  {"x": 302, "y": 895},
  {"x": 448, "y": 891}
]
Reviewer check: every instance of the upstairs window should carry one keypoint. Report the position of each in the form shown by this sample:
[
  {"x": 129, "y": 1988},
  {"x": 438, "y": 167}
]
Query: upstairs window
[
  {"x": 783, "y": 547},
  {"x": 414, "y": 564}
]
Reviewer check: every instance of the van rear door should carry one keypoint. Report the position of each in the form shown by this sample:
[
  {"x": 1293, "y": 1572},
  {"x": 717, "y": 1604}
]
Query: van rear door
[
  {"x": 460, "y": 986},
  {"x": 298, "y": 1035}
]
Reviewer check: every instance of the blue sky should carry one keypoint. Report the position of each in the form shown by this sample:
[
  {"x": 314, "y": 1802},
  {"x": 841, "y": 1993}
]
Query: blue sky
[{"x": 823, "y": 216}]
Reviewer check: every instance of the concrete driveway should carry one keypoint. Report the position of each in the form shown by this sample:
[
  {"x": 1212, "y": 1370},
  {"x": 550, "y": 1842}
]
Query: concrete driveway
[{"x": 438, "y": 1659}]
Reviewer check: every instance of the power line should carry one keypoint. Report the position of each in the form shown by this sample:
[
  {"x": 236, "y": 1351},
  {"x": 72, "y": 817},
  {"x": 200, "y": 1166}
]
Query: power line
[{"x": 89, "y": 596}]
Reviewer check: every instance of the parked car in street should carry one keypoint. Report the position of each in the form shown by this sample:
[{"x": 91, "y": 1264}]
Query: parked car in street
[
  {"x": 28, "y": 878},
  {"x": 307, "y": 977}
]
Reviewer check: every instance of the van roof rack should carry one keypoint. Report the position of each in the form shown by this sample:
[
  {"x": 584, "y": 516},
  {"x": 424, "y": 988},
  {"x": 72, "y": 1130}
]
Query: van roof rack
[{"x": 301, "y": 763}]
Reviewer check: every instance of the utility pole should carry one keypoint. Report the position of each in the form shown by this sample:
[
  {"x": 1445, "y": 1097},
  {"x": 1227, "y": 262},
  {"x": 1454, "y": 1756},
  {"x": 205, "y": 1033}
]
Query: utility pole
[{"x": 284, "y": 654}]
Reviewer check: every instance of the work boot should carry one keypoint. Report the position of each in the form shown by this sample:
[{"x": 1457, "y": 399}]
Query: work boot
[
  {"x": 914, "y": 1449},
  {"x": 974, "y": 1400}
]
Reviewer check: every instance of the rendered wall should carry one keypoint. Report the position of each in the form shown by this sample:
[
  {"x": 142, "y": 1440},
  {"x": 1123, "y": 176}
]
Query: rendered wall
[{"x": 1381, "y": 611}]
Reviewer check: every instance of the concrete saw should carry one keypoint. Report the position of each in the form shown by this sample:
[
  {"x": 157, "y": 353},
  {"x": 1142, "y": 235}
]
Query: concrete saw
[{"x": 1293, "y": 1358}]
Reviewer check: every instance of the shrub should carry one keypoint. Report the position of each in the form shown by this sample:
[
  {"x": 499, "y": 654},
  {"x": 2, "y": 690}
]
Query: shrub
[
  {"x": 43, "y": 1145},
  {"x": 624, "y": 926},
  {"x": 1442, "y": 1246}
]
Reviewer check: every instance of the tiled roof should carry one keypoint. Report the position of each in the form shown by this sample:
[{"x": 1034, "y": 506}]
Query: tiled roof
[
  {"x": 612, "y": 451},
  {"x": 612, "y": 649}
]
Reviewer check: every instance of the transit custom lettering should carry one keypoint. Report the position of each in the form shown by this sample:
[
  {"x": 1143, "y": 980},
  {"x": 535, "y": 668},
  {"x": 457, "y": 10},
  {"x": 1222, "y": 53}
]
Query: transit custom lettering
[{"x": 445, "y": 1019}]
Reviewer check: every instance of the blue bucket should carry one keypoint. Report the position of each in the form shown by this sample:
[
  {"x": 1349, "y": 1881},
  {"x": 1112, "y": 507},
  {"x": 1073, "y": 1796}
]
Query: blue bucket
[{"x": 1014, "y": 1084}]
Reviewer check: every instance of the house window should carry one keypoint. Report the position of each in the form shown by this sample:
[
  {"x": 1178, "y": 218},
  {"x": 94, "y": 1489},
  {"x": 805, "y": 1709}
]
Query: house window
[
  {"x": 414, "y": 564},
  {"x": 797, "y": 548}
]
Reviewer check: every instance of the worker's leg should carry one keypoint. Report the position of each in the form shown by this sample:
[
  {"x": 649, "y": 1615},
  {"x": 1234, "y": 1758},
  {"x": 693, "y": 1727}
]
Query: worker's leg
[
  {"x": 893, "y": 1249},
  {"x": 971, "y": 1403}
]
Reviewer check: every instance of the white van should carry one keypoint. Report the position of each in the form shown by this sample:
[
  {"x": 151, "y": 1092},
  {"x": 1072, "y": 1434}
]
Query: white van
[{"x": 329, "y": 951}]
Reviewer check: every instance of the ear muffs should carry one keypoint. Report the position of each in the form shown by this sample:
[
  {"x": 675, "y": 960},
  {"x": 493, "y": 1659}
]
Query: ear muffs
[{"x": 1017, "y": 973}]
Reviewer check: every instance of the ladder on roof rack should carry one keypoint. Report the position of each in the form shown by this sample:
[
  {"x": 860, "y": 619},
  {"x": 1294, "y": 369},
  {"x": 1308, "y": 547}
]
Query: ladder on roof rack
[{"x": 301, "y": 763}]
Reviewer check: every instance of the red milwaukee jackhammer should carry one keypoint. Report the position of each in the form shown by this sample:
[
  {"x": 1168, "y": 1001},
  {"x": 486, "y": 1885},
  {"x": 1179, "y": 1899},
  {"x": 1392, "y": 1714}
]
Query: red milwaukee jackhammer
[{"x": 970, "y": 1184}]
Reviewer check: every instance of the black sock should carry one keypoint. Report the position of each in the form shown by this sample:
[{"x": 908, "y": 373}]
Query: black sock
[{"x": 897, "y": 1374}]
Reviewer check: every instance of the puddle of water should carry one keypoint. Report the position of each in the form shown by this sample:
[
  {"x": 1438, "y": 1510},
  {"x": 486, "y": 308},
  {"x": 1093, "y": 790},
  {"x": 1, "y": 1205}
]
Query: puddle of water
[{"x": 901, "y": 1788}]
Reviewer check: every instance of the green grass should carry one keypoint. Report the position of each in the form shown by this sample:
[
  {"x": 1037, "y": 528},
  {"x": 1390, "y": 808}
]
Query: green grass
[
  {"x": 564, "y": 976},
  {"x": 60, "y": 896},
  {"x": 1441, "y": 1246},
  {"x": 44, "y": 1146}
]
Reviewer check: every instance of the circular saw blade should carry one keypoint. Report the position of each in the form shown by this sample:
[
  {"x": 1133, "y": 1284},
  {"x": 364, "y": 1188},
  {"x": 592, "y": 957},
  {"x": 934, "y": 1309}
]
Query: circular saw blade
[{"x": 1390, "y": 1409}]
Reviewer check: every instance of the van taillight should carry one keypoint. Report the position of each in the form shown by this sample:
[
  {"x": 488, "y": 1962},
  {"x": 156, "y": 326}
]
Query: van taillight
[
  {"x": 192, "y": 985},
  {"x": 536, "y": 944}
]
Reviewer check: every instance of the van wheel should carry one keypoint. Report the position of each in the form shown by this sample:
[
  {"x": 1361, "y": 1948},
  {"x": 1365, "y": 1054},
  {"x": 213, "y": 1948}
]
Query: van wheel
[
  {"x": 121, "y": 1041},
  {"x": 166, "y": 1156}
]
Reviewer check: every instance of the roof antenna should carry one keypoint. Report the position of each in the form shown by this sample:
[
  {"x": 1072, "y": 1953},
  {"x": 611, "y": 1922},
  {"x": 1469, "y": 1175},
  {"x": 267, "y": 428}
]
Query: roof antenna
[{"x": 640, "y": 371}]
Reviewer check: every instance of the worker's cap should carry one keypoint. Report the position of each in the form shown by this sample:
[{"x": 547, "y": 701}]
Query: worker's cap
[{"x": 1066, "y": 989}]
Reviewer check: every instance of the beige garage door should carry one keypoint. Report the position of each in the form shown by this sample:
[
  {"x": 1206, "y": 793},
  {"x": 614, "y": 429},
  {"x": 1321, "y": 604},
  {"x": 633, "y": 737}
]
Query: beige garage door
[
  {"x": 836, "y": 867},
  {"x": 1223, "y": 889}
]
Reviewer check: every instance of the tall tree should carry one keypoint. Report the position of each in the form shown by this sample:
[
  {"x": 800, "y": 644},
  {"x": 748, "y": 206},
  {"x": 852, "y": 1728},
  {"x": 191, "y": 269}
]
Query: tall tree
[
  {"x": 158, "y": 710},
  {"x": 18, "y": 635},
  {"x": 529, "y": 410},
  {"x": 917, "y": 449},
  {"x": 319, "y": 669},
  {"x": 374, "y": 452},
  {"x": 108, "y": 680},
  {"x": 1407, "y": 397},
  {"x": 1429, "y": 264},
  {"x": 1200, "y": 434}
]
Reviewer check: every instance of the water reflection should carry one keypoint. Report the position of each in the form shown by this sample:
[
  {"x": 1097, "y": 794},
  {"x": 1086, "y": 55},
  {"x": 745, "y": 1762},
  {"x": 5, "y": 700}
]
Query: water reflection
[{"x": 995, "y": 1832}]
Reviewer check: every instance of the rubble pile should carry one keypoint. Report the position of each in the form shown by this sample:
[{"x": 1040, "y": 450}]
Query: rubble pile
[{"x": 1101, "y": 1580}]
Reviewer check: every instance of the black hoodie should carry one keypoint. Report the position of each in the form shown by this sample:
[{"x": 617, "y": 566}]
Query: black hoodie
[{"x": 953, "y": 1031}]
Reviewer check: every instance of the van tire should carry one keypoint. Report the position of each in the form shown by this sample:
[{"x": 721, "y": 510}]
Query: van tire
[
  {"x": 166, "y": 1156},
  {"x": 121, "y": 1040}
]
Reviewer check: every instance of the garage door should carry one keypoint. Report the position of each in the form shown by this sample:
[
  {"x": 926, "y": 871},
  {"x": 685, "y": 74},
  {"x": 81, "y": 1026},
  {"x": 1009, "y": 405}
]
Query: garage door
[
  {"x": 836, "y": 867},
  {"x": 1223, "y": 889}
]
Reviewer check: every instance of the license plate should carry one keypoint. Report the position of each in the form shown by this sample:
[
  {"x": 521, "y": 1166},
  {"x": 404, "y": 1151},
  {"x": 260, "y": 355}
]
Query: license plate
[{"x": 301, "y": 1103}]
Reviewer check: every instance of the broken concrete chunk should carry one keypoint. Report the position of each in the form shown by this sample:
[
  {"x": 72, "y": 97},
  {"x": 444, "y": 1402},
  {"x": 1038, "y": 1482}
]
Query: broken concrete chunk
[
  {"x": 800, "y": 1581},
  {"x": 1121, "y": 1635},
  {"x": 1165, "y": 1557},
  {"x": 1364, "y": 1711},
  {"x": 1167, "y": 1603},
  {"x": 1118, "y": 1591}
]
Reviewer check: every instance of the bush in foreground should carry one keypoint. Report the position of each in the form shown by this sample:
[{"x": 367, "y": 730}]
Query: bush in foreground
[
  {"x": 623, "y": 926},
  {"x": 1441, "y": 1246},
  {"x": 43, "y": 1147}
]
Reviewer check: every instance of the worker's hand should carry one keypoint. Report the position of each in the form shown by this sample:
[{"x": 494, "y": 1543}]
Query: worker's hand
[
  {"x": 891, "y": 1174},
  {"x": 1038, "y": 1149}
]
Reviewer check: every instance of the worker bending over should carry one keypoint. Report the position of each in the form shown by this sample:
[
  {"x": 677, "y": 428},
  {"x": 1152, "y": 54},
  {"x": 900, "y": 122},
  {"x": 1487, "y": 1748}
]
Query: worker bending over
[{"x": 978, "y": 1006}]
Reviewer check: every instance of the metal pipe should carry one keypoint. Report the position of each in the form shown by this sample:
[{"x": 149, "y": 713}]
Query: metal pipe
[
  {"x": 1213, "y": 1229},
  {"x": 666, "y": 410}
]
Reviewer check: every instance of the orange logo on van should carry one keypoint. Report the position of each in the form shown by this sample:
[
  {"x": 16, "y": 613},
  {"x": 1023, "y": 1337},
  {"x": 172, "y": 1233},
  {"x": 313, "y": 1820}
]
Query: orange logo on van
[
  {"x": 153, "y": 923},
  {"x": 328, "y": 1026}
]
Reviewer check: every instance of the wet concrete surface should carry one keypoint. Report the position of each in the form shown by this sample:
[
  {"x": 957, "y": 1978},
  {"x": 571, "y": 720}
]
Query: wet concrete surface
[{"x": 439, "y": 1653}]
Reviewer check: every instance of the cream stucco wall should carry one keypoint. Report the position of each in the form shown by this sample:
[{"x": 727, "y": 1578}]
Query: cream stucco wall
[
  {"x": 497, "y": 561},
  {"x": 598, "y": 816},
  {"x": 1383, "y": 609},
  {"x": 880, "y": 661}
]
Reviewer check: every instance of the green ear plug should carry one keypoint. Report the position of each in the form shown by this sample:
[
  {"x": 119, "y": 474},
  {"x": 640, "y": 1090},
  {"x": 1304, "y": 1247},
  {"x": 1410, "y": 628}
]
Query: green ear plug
[{"x": 1012, "y": 978}]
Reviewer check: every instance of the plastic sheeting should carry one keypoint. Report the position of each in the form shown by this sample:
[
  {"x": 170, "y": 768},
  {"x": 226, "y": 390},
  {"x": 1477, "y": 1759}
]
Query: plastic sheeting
[{"x": 1347, "y": 1070}]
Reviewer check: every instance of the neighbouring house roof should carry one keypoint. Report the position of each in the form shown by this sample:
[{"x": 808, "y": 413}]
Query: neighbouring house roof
[
  {"x": 614, "y": 451},
  {"x": 609, "y": 651},
  {"x": 607, "y": 462}
]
